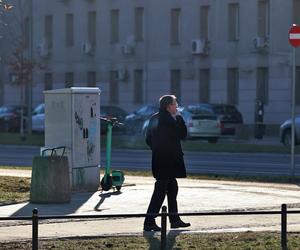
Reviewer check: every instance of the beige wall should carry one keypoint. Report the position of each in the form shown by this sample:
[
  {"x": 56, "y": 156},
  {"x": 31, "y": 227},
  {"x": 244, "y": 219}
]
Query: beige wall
[{"x": 156, "y": 57}]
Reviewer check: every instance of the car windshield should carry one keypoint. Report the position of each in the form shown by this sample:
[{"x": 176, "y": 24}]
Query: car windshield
[
  {"x": 40, "y": 109},
  {"x": 147, "y": 110},
  {"x": 4, "y": 110},
  {"x": 104, "y": 110},
  {"x": 12, "y": 109},
  {"x": 225, "y": 109},
  {"x": 230, "y": 109},
  {"x": 198, "y": 110}
]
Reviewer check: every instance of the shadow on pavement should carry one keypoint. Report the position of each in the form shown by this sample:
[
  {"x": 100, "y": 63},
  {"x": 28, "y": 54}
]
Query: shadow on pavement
[
  {"x": 103, "y": 197},
  {"x": 44, "y": 209}
]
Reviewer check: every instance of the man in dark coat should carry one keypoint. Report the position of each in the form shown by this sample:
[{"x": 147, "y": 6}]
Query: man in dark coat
[{"x": 165, "y": 131}]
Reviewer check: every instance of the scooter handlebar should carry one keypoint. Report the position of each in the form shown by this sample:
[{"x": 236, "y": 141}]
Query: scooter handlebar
[{"x": 112, "y": 120}]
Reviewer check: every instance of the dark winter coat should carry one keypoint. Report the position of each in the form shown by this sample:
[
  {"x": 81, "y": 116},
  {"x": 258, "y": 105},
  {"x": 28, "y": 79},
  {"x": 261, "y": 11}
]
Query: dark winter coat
[{"x": 163, "y": 136}]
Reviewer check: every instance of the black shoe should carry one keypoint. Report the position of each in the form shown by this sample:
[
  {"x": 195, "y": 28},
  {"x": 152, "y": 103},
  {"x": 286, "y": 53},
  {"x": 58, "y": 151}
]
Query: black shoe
[
  {"x": 179, "y": 223},
  {"x": 151, "y": 227}
]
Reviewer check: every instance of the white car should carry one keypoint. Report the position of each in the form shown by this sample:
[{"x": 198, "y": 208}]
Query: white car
[
  {"x": 201, "y": 123},
  {"x": 38, "y": 118}
]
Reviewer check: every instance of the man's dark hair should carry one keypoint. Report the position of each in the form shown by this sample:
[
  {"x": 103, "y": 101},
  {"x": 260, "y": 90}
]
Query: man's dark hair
[{"x": 166, "y": 100}]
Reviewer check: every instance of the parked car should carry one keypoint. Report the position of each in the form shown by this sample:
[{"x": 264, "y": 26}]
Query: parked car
[
  {"x": 10, "y": 118},
  {"x": 38, "y": 118},
  {"x": 228, "y": 115},
  {"x": 201, "y": 123},
  {"x": 285, "y": 132},
  {"x": 110, "y": 112},
  {"x": 134, "y": 121}
]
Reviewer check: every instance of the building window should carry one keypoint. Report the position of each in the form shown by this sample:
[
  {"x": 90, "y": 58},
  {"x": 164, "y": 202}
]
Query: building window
[
  {"x": 262, "y": 86},
  {"x": 48, "y": 32},
  {"x": 69, "y": 30},
  {"x": 175, "y": 27},
  {"x": 204, "y": 85},
  {"x": 175, "y": 85},
  {"x": 114, "y": 26},
  {"x": 92, "y": 28},
  {"x": 233, "y": 22},
  {"x": 91, "y": 79},
  {"x": 296, "y": 11},
  {"x": 114, "y": 87},
  {"x": 139, "y": 24},
  {"x": 204, "y": 22},
  {"x": 233, "y": 86},
  {"x": 297, "y": 86},
  {"x": 138, "y": 87},
  {"x": 26, "y": 32},
  {"x": 69, "y": 79},
  {"x": 263, "y": 18},
  {"x": 48, "y": 81}
]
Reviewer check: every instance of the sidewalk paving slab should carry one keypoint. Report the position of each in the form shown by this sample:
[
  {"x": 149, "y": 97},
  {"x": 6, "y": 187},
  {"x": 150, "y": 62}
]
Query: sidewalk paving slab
[{"x": 193, "y": 196}]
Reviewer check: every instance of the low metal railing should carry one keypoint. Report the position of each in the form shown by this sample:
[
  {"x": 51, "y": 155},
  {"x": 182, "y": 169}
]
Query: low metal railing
[{"x": 35, "y": 221}]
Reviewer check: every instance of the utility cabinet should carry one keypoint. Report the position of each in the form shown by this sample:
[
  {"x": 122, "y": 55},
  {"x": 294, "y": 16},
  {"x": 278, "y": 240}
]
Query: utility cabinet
[{"x": 72, "y": 120}]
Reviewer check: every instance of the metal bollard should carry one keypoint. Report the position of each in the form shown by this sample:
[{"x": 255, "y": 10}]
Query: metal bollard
[
  {"x": 163, "y": 237},
  {"x": 283, "y": 227},
  {"x": 35, "y": 223}
]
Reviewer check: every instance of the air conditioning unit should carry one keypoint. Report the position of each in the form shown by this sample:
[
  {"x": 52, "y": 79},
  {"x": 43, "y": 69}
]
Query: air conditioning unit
[
  {"x": 13, "y": 77},
  {"x": 127, "y": 49},
  {"x": 260, "y": 42},
  {"x": 87, "y": 48},
  {"x": 43, "y": 50},
  {"x": 122, "y": 75},
  {"x": 199, "y": 47}
]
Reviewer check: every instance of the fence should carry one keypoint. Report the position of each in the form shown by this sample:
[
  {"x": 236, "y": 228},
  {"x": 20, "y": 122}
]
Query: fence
[{"x": 35, "y": 221}]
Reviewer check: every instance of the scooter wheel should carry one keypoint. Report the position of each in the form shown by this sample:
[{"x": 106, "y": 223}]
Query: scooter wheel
[
  {"x": 106, "y": 185},
  {"x": 118, "y": 188}
]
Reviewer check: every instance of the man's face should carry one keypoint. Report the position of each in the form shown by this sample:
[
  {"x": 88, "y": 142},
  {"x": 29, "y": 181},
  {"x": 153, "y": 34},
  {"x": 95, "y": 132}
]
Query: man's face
[{"x": 172, "y": 108}]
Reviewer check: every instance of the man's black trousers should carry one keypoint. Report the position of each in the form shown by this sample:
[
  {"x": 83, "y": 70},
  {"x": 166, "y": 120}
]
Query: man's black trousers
[{"x": 161, "y": 189}]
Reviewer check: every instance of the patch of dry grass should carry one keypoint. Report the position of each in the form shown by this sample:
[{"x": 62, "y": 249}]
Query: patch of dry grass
[
  {"x": 228, "y": 241},
  {"x": 14, "y": 189}
]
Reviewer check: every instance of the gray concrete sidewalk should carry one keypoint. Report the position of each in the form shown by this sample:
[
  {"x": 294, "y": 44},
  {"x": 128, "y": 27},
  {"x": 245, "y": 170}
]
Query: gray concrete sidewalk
[{"x": 194, "y": 196}]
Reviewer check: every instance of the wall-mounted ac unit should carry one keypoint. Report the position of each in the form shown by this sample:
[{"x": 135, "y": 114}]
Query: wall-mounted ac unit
[
  {"x": 43, "y": 50},
  {"x": 122, "y": 75},
  {"x": 260, "y": 42},
  {"x": 127, "y": 49},
  {"x": 13, "y": 77},
  {"x": 199, "y": 47},
  {"x": 87, "y": 48}
]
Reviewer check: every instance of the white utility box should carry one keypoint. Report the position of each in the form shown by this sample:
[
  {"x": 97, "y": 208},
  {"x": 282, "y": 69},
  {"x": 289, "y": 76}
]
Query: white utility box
[{"x": 72, "y": 120}]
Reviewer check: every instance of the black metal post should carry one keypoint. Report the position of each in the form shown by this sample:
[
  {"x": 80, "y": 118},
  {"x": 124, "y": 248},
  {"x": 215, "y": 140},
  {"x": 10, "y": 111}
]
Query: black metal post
[
  {"x": 35, "y": 223},
  {"x": 163, "y": 237},
  {"x": 283, "y": 227}
]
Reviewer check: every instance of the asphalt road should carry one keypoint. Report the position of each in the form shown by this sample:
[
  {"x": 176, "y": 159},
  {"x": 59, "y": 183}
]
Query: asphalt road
[{"x": 196, "y": 162}]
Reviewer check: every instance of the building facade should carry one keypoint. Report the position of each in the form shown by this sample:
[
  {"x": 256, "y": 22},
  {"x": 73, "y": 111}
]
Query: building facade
[{"x": 217, "y": 51}]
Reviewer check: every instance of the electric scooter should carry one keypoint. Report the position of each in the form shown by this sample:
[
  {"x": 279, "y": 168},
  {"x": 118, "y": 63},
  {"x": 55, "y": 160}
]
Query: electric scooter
[{"x": 115, "y": 178}]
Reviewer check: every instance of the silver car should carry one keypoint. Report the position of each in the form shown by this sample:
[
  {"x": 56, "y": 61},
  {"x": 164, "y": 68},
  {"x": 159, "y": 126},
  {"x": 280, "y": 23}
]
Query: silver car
[
  {"x": 38, "y": 119},
  {"x": 201, "y": 123},
  {"x": 285, "y": 132}
]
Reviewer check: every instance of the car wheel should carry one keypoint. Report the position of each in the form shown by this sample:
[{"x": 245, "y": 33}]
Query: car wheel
[
  {"x": 213, "y": 140},
  {"x": 287, "y": 138}
]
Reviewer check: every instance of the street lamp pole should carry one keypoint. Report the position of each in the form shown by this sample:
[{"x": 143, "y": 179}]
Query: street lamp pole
[
  {"x": 293, "y": 116},
  {"x": 30, "y": 77}
]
